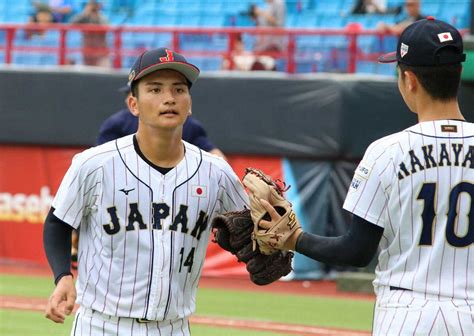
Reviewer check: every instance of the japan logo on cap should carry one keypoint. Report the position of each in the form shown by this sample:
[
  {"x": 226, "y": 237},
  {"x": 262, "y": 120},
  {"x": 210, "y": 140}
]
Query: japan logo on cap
[
  {"x": 443, "y": 37},
  {"x": 403, "y": 50}
]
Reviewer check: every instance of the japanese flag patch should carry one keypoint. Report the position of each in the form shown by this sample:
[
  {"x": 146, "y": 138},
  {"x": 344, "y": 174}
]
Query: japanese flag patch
[
  {"x": 443, "y": 37},
  {"x": 198, "y": 191}
]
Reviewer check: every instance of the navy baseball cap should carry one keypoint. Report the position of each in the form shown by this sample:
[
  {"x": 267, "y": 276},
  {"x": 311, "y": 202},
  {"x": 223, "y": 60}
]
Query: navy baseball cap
[
  {"x": 427, "y": 42},
  {"x": 159, "y": 59}
]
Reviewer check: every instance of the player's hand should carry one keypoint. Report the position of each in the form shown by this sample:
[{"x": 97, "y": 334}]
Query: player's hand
[{"x": 61, "y": 302}]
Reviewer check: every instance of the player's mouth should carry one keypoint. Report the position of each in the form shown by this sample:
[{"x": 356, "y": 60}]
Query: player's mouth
[{"x": 169, "y": 112}]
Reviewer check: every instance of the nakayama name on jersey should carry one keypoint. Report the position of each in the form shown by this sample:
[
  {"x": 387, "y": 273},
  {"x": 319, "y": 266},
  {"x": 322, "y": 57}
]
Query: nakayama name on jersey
[
  {"x": 427, "y": 157},
  {"x": 160, "y": 212}
]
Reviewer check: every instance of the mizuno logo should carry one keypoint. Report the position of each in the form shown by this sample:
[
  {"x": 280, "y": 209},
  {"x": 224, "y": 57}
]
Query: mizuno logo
[{"x": 126, "y": 191}]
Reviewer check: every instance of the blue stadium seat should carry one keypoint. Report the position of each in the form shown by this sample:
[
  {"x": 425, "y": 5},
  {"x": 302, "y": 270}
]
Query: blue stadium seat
[
  {"x": 431, "y": 8},
  {"x": 165, "y": 20},
  {"x": 304, "y": 20},
  {"x": 215, "y": 20},
  {"x": 331, "y": 21},
  {"x": 244, "y": 21},
  {"x": 189, "y": 20},
  {"x": 329, "y": 7}
]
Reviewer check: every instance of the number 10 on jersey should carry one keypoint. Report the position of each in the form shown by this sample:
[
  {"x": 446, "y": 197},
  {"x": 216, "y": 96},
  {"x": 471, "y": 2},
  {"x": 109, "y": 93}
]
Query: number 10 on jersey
[{"x": 427, "y": 194}]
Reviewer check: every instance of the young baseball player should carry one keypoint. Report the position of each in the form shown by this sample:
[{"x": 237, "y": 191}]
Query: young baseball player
[
  {"x": 143, "y": 205},
  {"x": 412, "y": 195}
]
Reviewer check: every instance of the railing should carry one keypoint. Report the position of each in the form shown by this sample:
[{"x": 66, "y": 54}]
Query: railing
[{"x": 116, "y": 49}]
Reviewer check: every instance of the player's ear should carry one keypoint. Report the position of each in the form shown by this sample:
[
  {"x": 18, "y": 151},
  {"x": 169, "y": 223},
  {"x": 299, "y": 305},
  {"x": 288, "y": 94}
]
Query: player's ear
[
  {"x": 132, "y": 105},
  {"x": 411, "y": 81}
]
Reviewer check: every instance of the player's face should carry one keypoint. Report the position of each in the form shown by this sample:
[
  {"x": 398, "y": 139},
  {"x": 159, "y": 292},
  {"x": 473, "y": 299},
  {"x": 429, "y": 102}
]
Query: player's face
[{"x": 163, "y": 99}]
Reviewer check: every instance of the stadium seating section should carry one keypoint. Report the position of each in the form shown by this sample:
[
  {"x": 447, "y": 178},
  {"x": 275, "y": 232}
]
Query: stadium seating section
[{"x": 314, "y": 53}]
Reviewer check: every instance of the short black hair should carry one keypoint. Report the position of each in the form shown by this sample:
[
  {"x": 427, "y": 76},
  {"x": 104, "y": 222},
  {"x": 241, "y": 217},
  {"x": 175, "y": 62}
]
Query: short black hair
[{"x": 441, "y": 82}]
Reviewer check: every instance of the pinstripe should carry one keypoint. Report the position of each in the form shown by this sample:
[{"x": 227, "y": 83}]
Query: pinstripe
[
  {"x": 137, "y": 255},
  {"x": 126, "y": 207},
  {"x": 429, "y": 267},
  {"x": 116, "y": 283}
]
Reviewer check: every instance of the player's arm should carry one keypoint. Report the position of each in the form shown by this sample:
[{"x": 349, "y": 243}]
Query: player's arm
[
  {"x": 57, "y": 246},
  {"x": 355, "y": 248}
]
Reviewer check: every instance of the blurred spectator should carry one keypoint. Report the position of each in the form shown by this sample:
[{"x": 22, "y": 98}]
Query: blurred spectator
[
  {"x": 413, "y": 14},
  {"x": 94, "y": 43},
  {"x": 41, "y": 15},
  {"x": 370, "y": 7},
  {"x": 272, "y": 15},
  {"x": 244, "y": 60},
  {"x": 61, "y": 9}
]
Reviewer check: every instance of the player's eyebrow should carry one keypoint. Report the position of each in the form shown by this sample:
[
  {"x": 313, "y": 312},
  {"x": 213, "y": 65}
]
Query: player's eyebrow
[{"x": 160, "y": 83}]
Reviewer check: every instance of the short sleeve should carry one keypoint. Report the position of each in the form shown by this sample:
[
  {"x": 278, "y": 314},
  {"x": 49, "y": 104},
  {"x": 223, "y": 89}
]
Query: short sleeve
[
  {"x": 366, "y": 196},
  {"x": 77, "y": 193},
  {"x": 232, "y": 194}
]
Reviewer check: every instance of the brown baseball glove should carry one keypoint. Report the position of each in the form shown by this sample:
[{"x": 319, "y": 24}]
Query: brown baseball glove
[
  {"x": 233, "y": 232},
  {"x": 279, "y": 228}
]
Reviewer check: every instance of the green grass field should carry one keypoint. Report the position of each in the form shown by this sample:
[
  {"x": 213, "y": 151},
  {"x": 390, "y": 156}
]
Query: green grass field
[{"x": 283, "y": 308}]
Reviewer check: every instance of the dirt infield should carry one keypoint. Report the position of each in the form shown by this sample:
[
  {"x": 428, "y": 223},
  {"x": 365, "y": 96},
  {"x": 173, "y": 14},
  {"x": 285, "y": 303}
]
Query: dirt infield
[{"x": 317, "y": 288}]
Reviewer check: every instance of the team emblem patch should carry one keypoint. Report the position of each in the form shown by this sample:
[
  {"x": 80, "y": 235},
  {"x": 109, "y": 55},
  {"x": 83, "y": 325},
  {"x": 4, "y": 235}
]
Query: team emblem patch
[
  {"x": 198, "y": 191},
  {"x": 169, "y": 57},
  {"x": 443, "y": 37},
  {"x": 403, "y": 50},
  {"x": 355, "y": 184},
  {"x": 363, "y": 170}
]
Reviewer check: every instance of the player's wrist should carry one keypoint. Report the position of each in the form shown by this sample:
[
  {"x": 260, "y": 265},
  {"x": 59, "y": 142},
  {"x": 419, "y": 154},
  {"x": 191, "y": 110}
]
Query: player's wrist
[{"x": 61, "y": 276}]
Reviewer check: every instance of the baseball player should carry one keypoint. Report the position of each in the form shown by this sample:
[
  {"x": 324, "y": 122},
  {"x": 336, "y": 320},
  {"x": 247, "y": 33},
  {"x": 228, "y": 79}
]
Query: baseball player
[
  {"x": 123, "y": 123},
  {"x": 143, "y": 205},
  {"x": 411, "y": 195}
]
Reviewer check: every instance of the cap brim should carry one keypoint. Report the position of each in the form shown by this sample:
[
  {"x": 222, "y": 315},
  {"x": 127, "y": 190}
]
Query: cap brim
[
  {"x": 187, "y": 70},
  {"x": 388, "y": 58}
]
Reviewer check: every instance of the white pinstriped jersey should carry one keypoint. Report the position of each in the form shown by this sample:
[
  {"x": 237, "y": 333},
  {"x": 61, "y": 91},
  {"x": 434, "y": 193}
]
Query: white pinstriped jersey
[
  {"x": 143, "y": 235},
  {"x": 418, "y": 185}
]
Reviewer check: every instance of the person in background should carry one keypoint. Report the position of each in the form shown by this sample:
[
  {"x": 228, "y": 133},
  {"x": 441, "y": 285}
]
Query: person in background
[
  {"x": 41, "y": 15},
  {"x": 370, "y": 7},
  {"x": 413, "y": 14},
  {"x": 61, "y": 9},
  {"x": 244, "y": 60},
  {"x": 273, "y": 15},
  {"x": 94, "y": 43}
]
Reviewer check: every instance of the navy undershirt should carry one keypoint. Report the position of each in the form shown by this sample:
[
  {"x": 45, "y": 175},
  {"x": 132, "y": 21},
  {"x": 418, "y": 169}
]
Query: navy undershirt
[{"x": 356, "y": 247}]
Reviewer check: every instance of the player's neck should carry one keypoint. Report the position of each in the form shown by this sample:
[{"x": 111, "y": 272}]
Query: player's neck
[
  {"x": 165, "y": 151},
  {"x": 429, "y": 110}
]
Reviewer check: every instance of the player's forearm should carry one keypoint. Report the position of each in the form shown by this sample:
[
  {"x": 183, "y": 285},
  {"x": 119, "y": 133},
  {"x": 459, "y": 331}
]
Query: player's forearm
[
  {"x": 356, "y": 248},
  {"x": 57, "y": 245}
]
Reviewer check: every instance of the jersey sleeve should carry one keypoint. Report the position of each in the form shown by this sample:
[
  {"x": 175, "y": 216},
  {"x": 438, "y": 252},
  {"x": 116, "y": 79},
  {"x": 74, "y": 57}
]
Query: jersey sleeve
[
  {"x": 366, "y": 197},
  {"x": 78, "y": 192},
  {"x": 232, "y": 195}
]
